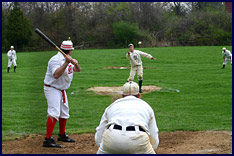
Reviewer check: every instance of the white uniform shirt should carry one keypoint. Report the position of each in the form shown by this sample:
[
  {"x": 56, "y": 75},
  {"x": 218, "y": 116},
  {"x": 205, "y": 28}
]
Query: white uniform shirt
[
  {"x": 129, "y": 111},
  {"x": 64, "y": 81},
  {"x": 11, "y": 54},
  {"x": 135, "y": 57},
  {"x": 226, "y": 54}
]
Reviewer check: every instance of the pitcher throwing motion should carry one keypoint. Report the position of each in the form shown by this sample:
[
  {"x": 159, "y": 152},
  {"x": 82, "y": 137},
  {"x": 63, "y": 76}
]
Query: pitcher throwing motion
[
  {"x": 57, "y": 79},
  {"x": 136, "y": 64}
]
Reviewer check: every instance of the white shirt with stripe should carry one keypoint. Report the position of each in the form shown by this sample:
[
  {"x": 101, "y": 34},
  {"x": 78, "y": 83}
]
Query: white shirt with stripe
[
  {"x": 135, "y": 57},
  {"x": 129, "y": 111},
  {"x": 64, "y": 81}
]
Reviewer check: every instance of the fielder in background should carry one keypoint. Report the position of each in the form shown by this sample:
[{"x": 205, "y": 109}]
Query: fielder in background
[
  {"x": 128, "y": 126},
  {"x": 136, "y": 64},
  {"x": 227, "y": 56},
  {"x": 11, "y": 54},
  {"x": 57, "y": 79}
]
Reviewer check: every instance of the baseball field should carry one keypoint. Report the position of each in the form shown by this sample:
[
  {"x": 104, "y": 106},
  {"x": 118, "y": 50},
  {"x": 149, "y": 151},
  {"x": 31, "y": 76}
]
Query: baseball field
[{"x": 192, "y": 108}]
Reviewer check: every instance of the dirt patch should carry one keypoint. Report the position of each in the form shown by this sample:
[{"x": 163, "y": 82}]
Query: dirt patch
[
  {"x": 181, "y": 142},
  {"x": 126, "y": 68},
  {"x": 118, "y": 90}
]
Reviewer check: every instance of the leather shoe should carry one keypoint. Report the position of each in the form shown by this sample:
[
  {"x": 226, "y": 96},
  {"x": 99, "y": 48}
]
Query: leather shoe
[
  {"x": 50, "y": 143},
  {"x": 65, "y": 138}
]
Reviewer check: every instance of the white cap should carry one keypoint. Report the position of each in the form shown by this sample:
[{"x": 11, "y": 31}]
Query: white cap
[
  {"x": 130, "y": 88},
  {"x": 12, "y": 46},
  {"x": 67, "y": 45},
  {"x": 224, "y": 48},
  {"x": 130, "y": 45}
]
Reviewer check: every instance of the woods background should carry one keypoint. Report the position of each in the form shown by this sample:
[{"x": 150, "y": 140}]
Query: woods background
[{"x": 115, "y": 24}]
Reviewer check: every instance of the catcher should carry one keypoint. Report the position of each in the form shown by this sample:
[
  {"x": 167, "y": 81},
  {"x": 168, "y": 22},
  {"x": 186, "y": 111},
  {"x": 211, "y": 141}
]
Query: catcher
[
  {"x": 128, "y": 125},
  {"x": 136, "y": 64}
]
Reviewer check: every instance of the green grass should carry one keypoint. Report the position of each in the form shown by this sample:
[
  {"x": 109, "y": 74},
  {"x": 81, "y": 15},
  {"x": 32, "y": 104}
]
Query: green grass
[{"x": 204, "y": 100}]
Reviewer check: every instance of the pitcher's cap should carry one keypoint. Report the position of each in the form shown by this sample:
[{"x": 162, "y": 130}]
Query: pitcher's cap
[
  {"x": 130, "y": 88},
  {"x": 12, "y": 46},
  {"x": 224, "y": 48},
  {"x": 130, "y": 45},
  {"x": 67, "y": 45}
]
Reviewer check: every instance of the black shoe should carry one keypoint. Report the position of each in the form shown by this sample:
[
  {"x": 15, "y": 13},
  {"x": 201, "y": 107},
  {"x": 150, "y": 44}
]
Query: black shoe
[
  {"x": 50, "y": 143},
  {"x": 65, "y": 138},
  {"x": 140, "y": 84}
]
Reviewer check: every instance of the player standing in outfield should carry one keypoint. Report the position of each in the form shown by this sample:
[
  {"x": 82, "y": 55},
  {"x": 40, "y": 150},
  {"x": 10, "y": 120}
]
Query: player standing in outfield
[
  {"x": 136, "y": 64},
  {"x": 128, "y": 126},
  {"x": 227, "y": 56},
  {"x": 11, "y": 54},
  {"x": 57, "y": 79}
]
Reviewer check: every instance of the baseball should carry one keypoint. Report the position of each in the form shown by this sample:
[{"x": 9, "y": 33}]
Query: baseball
[{"x": 139, "y": 42}]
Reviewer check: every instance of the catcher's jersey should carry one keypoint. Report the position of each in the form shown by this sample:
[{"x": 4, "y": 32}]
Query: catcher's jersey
[
  {"x": 129, "y": 111},
  {"x": 64, "y": 81},
  {"x": 135, "y": 57},
  {"x": 226, "y": 54},
  {"x": 11, "y": 54}
]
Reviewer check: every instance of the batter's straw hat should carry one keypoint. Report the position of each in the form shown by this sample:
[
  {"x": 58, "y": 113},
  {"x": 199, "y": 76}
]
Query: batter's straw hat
[
  {"x": 130, "y": 88},
  {"x": 67, "y": 45}
]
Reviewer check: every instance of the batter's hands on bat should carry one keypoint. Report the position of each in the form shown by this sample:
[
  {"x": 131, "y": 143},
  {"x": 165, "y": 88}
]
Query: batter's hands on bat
[
  {"x": 68, "y": 58},
  {"x": 74, "y": 61}
]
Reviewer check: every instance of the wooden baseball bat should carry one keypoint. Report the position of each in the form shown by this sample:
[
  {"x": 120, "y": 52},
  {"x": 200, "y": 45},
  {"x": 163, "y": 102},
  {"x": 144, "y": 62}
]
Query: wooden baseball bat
[{"x": 49, "y": 41}]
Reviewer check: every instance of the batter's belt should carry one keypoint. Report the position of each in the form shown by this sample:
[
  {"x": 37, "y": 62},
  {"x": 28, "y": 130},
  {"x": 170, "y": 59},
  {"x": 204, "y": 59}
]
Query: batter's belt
[{"x": 63, "y": 92}]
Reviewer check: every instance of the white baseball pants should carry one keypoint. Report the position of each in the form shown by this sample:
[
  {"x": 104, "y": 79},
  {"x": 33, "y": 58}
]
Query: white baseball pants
[
  {"x": 56, "y": 108},
  {"x": 11, "y": 61},
  {"x": 226, "y": 61},
  {"x": 125, "y": 142},
  {"x": 134, "y": 69}
]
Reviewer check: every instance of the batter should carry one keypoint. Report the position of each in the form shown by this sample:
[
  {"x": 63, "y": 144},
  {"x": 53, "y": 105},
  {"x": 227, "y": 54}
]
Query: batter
[{"x": 57, "y": 79}]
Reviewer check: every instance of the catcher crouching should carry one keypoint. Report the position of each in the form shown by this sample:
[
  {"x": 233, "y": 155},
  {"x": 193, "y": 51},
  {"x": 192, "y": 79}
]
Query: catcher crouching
[{"x": 128, "y": 126}]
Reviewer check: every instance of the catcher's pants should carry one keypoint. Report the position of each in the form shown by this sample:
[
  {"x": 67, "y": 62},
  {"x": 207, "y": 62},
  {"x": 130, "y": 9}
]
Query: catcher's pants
[
  {"x": 10, "y": 61},
  {"x": 125, "y": 142},
  {"x": 226, "y": 61},
  {"x": 56, "y": 107},
  {"x": 134, "y": 69}
]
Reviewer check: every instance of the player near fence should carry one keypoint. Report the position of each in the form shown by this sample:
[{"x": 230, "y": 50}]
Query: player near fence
[
  {"x": 57, "y": 79},
  {"x": 136, "y": 64},
  {"x": 11, "y": 54},
  {"x": 128, "y": 126},
  {"x": 227, "y": 56}
]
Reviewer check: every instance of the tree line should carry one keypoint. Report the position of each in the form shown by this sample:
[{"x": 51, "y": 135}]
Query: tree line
[{"x": 115, "y": 24}]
